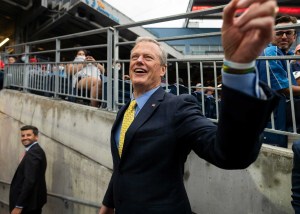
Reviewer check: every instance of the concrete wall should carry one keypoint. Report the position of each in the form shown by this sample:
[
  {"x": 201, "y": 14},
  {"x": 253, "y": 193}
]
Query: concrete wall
[{"x": 76, "y": 141}]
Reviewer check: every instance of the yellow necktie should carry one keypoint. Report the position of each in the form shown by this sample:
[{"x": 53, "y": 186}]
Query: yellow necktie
[{"x": 127, "y": 120}]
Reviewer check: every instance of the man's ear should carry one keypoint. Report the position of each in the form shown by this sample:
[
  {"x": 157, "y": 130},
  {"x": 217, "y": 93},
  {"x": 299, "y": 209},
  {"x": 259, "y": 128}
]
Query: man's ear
[{"x": 163, "y": 70}]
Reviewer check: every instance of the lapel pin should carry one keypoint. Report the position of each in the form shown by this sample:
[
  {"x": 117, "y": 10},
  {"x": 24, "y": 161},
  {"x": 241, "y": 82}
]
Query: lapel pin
[{"x": 153, "y": 105}]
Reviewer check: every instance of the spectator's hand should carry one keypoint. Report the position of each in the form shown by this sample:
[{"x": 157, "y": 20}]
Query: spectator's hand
[
  {"x": 89, "y": 59},
  {"x": 245, "y": 37},
  {"x": 106, "y": 210}
]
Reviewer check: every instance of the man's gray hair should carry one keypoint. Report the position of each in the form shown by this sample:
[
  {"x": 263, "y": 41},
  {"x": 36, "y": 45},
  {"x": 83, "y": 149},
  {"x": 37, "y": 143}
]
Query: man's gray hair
[{"x": 163, "y": 55}]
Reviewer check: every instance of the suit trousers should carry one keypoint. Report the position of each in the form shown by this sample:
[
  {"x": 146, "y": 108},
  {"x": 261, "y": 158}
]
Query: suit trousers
[
  {"x": 296, "y": 178},
  {"x": 38, "y": 211}
]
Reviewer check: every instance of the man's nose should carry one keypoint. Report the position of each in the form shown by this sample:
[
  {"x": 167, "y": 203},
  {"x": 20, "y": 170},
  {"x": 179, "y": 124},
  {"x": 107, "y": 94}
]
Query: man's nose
[
  {"x": 140, "y": 59},
  {"x": 284, "y": 35}
]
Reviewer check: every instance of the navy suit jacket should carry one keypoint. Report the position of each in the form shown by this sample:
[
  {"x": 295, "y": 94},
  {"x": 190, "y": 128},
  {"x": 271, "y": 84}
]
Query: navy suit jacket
[
  {"x": 28, "y": 186},
  {"x": 149, "y": 176}
]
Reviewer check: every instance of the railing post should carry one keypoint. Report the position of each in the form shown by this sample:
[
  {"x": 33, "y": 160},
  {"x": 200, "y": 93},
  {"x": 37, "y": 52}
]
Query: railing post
[
  {"x": 177, "y": 78},
  {"x": 56, "y": 75},
  {"x": 116, "y": 71},
  {"x": 291, "y": 97},
  {"x": 26, "y": 73},
  {"x": 109, "y": 68}
]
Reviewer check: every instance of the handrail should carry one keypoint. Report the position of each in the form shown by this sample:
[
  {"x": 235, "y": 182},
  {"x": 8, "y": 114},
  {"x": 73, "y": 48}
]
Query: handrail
[
  {"x": 192, "y": 14},
  {"x": 74, "y": 200},
  {"x": 63, "y": 197},
  {"x": 4, "y": 202},
  {"x": 52, "y": 39}
]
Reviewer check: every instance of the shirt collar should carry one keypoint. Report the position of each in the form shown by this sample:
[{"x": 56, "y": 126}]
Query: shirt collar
[
  {"x": 27, "y": 148},
  {"x": 141, "y": 100}
]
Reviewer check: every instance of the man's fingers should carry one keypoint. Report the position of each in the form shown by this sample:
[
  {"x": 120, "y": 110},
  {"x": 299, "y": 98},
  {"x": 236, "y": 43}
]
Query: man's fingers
[
  {"x": 229, "y": 13},
  {"x": 247, "y": 3},
  {"x": 264, "y": 24},
  {"x": 257, "y": 11}
]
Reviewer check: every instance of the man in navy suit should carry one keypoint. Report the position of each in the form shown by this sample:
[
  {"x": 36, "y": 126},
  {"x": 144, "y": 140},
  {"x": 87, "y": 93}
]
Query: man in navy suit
[
  {"x": 148, "y": 173},
  {"x": 28, "y": 191}
]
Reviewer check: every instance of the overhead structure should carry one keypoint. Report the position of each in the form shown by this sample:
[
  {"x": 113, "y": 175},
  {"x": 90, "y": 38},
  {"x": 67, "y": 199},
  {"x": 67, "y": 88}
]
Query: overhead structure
[
  {"x": 288, "y": 7},
  {"x": 29, "y": 20}
]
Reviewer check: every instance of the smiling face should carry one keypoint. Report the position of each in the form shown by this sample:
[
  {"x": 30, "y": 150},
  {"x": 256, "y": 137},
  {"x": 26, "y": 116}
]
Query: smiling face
[
  {"x": 284, "y": 38},
  {"x": 28, "y": 137},
  {"x": 146, "y": 69}
]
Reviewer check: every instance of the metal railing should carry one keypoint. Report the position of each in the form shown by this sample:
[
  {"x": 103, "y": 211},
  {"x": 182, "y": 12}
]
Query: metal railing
[{"x": 115, "y": 90}]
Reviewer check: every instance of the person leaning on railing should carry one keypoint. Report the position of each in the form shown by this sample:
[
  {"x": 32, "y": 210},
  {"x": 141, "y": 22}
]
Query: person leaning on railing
[
  {"x": 280, "y": 46},
  {"x": 154, "y": 133},
  {"x": 86, "y": 75},
  {"x": 278, "y": 70},
  {"x": 295, "y": 65}
]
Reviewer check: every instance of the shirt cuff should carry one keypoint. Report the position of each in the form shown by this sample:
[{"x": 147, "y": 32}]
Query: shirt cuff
[{"x": 246, "y": 83}]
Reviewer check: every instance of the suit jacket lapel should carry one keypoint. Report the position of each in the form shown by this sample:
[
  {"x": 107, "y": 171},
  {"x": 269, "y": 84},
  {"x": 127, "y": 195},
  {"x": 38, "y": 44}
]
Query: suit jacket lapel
[
  {"x": 116, "y": 124},
  {"x": 148, "y": 109}
]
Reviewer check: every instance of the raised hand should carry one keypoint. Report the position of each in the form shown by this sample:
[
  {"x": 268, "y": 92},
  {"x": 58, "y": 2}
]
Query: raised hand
[{"x": 245, "y": 37}]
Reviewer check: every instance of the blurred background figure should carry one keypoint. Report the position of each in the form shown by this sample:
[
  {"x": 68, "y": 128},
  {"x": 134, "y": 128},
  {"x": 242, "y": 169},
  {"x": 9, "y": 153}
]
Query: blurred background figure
[
  {"x": 295, "y": 64},
  {"x": 199, "y": 88},
  {"x": 209, "y": 92},
  {"x": 1, "y": 65},
  {"x": 11, "y": 60},
  {"x": 297, "y": 76}
]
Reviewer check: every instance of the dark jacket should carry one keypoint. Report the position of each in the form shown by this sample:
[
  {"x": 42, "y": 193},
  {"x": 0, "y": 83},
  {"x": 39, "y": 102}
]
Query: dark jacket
[
  {"x": 149, "y": 176},
  {"x": 28, "y": 186}
]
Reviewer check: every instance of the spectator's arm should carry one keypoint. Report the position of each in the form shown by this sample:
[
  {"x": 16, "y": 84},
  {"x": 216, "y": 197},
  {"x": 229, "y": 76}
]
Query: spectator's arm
[
  {"x": 73, "y": 68},
  {"x": 101, "y": 68},
  {"x": 295, "y": 89}
]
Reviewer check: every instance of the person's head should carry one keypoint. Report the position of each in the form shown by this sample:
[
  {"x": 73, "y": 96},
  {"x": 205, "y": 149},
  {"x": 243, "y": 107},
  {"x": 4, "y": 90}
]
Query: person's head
[
  {"x": 29, "y": 135},
  {"x": 180, "y": 80},
  {"x": 297, "y": 50},
  {"x": 11, "y": 60},
  {"x": 284, "y": 38},
  {"x": 148, "y": 63},
  {"x": 210, "y": 90},
  {"x": 80, "y": 55},
  {"x": 198, "y": 87}
]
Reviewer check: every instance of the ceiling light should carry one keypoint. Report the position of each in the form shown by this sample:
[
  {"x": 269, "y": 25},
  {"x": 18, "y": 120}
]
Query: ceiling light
[{"x": 4, "y": 41}]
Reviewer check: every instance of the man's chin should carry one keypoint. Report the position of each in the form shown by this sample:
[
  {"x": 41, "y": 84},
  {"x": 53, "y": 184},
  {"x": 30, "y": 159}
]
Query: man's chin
[
  {"x": 284, "y": 47},
  {"x": 138, "y": 82},
  {"x": 26, "y": 143}
]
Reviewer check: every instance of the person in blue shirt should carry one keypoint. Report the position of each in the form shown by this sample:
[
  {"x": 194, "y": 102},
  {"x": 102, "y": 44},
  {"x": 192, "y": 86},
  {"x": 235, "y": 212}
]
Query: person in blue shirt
[
  {"x": 295, "y": 64},
  {"x": 280, "y": 46}
]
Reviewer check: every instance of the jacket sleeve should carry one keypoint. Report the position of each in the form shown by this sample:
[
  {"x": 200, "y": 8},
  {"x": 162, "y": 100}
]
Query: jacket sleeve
[
  {"x": 234, "y": 142},
  {"x": 108, "y": 197},
  {"x": 32, "y": 168}
]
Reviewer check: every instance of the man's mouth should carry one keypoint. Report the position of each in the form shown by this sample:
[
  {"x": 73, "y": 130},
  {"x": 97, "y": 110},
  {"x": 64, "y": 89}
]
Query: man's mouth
[{"x": 139, "y": 71}]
